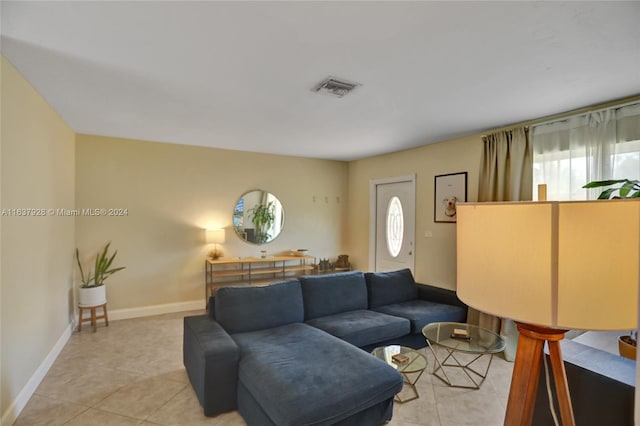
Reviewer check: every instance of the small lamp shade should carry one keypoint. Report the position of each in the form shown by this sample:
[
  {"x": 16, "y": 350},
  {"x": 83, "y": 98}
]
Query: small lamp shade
[
  {"x": 215, "y": 236},
  {"x": 566, "y": 265}
]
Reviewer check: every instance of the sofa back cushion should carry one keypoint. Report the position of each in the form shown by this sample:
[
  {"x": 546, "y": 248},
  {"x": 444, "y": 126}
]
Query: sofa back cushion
[
  {"x": 241, "y": 309},
  {"x": 333, "y": 293},
  {"x": 386, "y": 288}
]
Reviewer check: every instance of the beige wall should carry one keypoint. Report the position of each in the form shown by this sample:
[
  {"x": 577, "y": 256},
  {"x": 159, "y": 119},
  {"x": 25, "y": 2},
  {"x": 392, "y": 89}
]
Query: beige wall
[
  {"x": 37, "y": 171},
  {"x": 174, "y": 192},
  {"x": 435, "y": 257}
]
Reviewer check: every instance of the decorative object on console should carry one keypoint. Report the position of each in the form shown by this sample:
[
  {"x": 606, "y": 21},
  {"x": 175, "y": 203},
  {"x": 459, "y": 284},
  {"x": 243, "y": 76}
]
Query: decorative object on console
[
  {"x": 325, "y": 266},
  {"x": 548, "y": 266},
  {"x": 343, "y": 262},
  {"x": 215, "y": 236},
  {"x": 450, "y": 189}
]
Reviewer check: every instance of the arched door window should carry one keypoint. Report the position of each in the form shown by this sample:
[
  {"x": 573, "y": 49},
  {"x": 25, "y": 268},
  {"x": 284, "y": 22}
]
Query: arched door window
[{"x": 395, "y": 226}]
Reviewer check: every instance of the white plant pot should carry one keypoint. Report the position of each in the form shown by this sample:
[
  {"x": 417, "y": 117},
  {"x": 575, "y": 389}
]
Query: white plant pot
[{"x": 92, "y": 296}]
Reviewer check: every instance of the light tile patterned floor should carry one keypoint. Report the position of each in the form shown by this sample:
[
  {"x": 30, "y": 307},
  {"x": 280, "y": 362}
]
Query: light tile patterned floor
[{"x": 131, "y": 373}]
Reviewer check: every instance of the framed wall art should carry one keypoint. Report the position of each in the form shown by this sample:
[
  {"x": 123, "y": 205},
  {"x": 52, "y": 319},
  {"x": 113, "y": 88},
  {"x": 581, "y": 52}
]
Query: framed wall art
[{"x": 450, "y": 189}]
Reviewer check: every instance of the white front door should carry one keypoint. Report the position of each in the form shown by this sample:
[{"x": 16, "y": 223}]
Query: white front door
[{"x": 393, "y": 223}]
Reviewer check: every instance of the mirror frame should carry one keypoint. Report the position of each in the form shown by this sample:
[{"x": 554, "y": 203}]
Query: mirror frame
[{"x": 240, "y": 216}]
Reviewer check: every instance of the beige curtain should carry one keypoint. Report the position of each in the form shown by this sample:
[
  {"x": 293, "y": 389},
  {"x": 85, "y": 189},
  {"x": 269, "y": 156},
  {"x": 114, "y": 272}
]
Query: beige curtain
[{"x": 506, "y": 174}]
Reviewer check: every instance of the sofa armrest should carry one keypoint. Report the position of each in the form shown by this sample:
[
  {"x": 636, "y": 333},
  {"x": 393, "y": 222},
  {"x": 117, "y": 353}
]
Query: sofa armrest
[
  {"x": 601, "y": 386},
  {"x": 211, "y": 358},
  {"x": 439, "y": 295}
]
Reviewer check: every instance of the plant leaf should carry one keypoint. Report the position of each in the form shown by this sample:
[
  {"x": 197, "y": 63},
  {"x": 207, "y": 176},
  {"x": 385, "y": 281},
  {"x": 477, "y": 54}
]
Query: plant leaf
[
  {"x": 600, "y": 183},
  {"x": 626, "y": 188},
  {"x": 606, "y": 194}
]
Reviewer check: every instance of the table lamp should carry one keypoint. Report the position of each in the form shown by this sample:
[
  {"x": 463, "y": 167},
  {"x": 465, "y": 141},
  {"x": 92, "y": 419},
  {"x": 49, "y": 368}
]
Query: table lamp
[
  {"x": 551, "y": 267},
  {"x": 215, "y": 236}
]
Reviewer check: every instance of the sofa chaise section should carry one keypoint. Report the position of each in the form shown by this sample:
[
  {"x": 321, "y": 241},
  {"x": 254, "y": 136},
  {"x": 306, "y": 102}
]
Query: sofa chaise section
[{"x": 299, "y": 375}]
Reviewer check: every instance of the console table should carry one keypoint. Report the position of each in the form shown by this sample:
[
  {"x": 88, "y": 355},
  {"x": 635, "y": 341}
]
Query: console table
[{"x": 254, "y": 270}]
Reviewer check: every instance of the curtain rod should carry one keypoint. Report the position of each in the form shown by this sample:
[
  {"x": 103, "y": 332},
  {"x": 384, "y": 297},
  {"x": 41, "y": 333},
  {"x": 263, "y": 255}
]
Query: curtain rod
[{"x": 618, "y": 103}]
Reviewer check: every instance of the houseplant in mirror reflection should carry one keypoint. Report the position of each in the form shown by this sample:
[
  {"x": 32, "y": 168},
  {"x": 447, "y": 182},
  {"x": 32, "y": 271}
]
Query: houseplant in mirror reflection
[
  {"x": 263, "y": 217},
  {"x": 92, "y": 290}
]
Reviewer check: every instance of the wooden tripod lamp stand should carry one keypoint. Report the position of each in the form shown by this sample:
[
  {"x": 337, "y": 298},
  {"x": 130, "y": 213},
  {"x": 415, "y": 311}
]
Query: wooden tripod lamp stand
[{"x": 551, "y": 267}]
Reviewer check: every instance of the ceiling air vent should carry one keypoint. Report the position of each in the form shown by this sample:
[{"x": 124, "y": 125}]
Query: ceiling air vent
[{"x": 336, "y": 87}]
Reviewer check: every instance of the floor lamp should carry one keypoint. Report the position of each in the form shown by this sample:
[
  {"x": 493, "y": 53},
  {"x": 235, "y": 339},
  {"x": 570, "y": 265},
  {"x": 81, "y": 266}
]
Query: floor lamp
[{"x": 551, "y": 267}]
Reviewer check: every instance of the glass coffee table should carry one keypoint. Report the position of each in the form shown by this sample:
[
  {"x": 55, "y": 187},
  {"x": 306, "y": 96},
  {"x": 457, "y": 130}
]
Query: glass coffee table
[
  {"x": 414, "y": 364},
  {"x": 456, "y": 338}
]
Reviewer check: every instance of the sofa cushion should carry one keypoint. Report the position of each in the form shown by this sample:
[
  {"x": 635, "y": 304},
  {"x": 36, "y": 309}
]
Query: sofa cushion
[
  {"x": 362, "y": 327},
  {"x": 240, "y": 309},
  {"x": 422, "y": 312},
  {"x": 386, "y": 288},
  {"x": 295, "y": 371},
  {"x": 333, "y": 293}
]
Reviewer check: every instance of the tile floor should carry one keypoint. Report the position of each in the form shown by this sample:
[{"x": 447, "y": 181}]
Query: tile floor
[{"x": 131, "y": 373}]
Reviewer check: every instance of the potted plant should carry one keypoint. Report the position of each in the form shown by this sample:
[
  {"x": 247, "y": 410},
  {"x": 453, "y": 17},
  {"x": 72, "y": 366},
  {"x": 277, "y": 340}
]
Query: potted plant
[
  {"x": 621, "y": 188},
  {"x": 626, "y": 188},
  {"x": 92, "y": 290},
  {"x": 263, "y": 216}
]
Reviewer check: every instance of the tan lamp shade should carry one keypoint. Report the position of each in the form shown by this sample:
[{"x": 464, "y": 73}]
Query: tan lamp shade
[
  {"x": 215, "y": 236},
  {"x": 566, "y": 265}
]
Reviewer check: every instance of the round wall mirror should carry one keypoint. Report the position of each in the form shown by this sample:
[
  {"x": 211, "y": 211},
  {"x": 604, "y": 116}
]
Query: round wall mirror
[{"x": 258, "y": 217}]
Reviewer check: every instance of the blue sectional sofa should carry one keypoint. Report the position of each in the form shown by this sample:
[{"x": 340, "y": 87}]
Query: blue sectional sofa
[{"x": 291, "y": 353}]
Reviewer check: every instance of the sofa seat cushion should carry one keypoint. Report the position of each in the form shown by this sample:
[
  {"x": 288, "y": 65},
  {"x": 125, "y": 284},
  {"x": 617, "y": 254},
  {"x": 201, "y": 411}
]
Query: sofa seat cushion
[
  {"x": 423, "y": 312},
  {"x": 300, "y": 375},
  {"x": 363, "y": 327},
  {"x": 333, "y": 293},
  {"x": 386, "y": 288}
]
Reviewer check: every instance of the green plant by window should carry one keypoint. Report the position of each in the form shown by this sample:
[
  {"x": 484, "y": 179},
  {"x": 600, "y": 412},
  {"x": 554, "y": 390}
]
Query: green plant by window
[
  {"x": 625, "y": 188},
  {"x": 102, "y": 268}
]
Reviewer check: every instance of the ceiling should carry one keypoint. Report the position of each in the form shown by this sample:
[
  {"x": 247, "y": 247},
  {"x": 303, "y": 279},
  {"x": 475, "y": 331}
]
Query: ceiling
[{"x": 239, "y": 75}]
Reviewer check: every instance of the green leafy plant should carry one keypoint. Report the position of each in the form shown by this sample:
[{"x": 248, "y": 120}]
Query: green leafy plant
[
  {"x": 625, "y": 188},
  {"x": 263, "y": 216},
  {"x": 102, "y": 268}
]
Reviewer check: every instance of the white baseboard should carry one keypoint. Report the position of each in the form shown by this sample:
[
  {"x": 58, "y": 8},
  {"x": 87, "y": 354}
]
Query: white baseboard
[
  {"x": 145, "y": 311},
  {"x": 25, "y": 394}
]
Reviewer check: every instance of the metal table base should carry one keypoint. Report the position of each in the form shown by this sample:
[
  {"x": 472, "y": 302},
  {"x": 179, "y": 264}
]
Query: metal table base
[{"x": 466, "y": 368}]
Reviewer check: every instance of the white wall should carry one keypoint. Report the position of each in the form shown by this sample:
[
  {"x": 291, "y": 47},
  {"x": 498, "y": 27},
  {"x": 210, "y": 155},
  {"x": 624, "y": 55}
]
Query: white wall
[
  {"x": 435, "y": 257},
  {"x": 174, "y": 192},
  {"x": 37, "y": 172}
]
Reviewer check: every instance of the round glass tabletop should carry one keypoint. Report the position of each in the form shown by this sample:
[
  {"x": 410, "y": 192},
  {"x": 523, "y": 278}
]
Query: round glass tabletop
[
  {"x": 463, "y": 337},
  {"x": 415, "y": 360}
]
